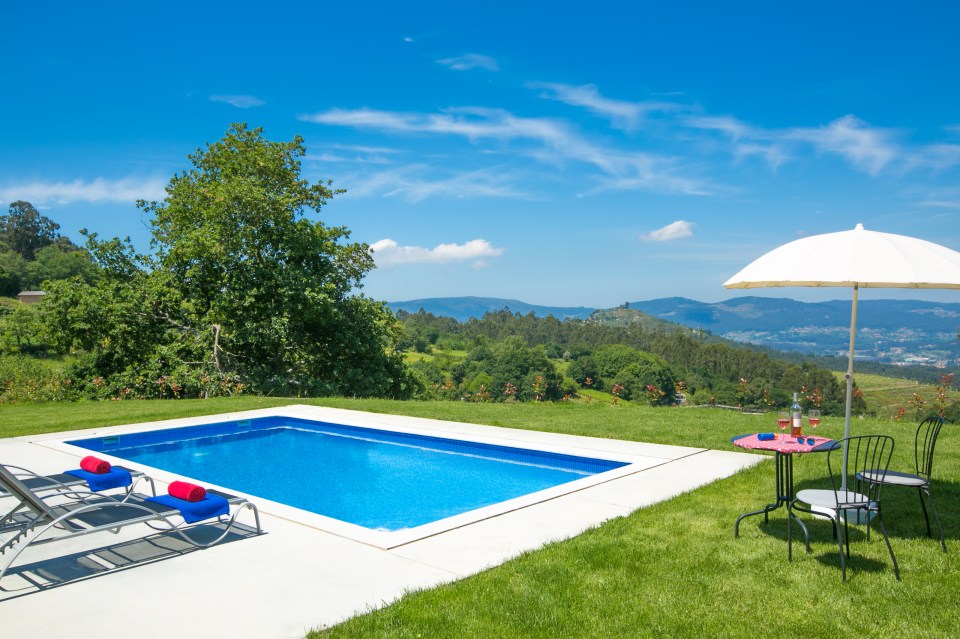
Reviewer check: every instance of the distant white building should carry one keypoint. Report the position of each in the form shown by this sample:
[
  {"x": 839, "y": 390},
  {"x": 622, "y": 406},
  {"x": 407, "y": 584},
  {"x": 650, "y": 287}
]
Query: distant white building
[{"x": 30, "y": 297}]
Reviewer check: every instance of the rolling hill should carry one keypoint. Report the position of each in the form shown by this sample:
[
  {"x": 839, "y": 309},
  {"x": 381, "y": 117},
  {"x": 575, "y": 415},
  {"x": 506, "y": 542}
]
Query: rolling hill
[{"x": 901, "y": 332}]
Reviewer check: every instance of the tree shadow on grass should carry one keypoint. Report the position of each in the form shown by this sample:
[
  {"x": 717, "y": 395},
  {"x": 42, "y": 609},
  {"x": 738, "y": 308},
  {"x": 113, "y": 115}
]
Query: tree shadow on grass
[{"x": 26, "y": 579}]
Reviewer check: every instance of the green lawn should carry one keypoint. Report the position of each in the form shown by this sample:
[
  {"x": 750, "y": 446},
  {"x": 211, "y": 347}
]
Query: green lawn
[{"x": 670, "y": 570}]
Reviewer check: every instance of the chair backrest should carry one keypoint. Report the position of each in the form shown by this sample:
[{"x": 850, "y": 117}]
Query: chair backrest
[
  {"x": 866, "y": 456},
  {"x": 10, "y": 483},
  {"x": 924, "y": 443}
]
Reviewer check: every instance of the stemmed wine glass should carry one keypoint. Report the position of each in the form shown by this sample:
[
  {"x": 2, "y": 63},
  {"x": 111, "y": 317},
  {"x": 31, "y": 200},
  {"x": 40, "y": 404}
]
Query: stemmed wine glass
[
  {"x": 783, "y": 420},
  {"x": 814, "y": 418}
]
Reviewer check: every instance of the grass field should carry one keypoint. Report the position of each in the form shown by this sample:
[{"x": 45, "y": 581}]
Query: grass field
[
  {"x": 884, "y": 395},
  {"x": 670, "y": 570}
]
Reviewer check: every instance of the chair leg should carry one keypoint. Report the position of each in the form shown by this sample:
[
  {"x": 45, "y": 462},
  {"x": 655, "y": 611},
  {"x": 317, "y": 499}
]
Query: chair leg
[
  {"x": 896, "y": 568},
  {"x": 789, "y": 534},
  {"x": 839, "y": 536},
  {"x": 924, "y": 507},
  {"x": 846, "y": 532},
  {"x": 936, "y": 518}
]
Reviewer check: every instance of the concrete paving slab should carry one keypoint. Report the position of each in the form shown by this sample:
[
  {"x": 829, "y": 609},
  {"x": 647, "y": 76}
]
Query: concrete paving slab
[{"x": 298, "y": 576}]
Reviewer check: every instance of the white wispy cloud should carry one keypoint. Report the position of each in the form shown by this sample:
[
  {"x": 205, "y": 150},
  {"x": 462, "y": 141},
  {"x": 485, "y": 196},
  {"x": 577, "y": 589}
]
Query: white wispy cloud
[
  {"x": 558, "y": 143},
  {"x": 469, "y": 61},
  {"x": 353, "y": 154},
  {"x": 470, "y": 122},
  {"x": 745, "y": 140},
  {"x": 239, "y": 101},
  {"x": 868, "y": 148},
  {"x": 623, "y": 114},
  {"x": 417, "y": 182},
  {"x": 674, "y": 231},
  {"x": 933, "y": 156},
  {"x": 388, "y": 253},
  {"x": 41, "y": 192},
  {"x": 941, "y": 204},
  {"x": 359, "y": 148},
  {"x": 729, "y": 125}
]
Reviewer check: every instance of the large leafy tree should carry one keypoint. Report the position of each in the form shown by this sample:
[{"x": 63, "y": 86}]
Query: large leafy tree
[
  {"x": 242, "y": 287},
  {"x": 24, "y": 231}
]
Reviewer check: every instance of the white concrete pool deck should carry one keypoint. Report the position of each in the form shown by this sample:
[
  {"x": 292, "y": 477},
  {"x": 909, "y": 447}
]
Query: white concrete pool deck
[{"x": 304, "y": 574}]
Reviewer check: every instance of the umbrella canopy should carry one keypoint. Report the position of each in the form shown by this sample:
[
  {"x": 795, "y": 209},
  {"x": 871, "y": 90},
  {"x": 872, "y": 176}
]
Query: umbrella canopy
[
  {"x": 855, "y": 259},
  {"x": 861, "y": 258}
]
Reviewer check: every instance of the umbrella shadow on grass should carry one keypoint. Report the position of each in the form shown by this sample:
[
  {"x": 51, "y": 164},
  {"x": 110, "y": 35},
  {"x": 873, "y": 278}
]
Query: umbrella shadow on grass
[
  {"x": 902, "y": 514},
  {"x": 902, "y": 517},
  {"x": 29, "y": 578},
  {"x": 823, "y": 542}
]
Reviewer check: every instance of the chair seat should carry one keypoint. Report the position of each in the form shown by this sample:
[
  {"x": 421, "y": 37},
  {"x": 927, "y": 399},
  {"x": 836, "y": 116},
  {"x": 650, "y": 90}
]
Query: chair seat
[
  {"x": 829, "y": 499},
  {"x": 894, "y": 478}
]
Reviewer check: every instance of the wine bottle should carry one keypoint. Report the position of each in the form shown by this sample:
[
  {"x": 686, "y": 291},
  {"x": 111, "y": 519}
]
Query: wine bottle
[{"x": 796, "y": 418}]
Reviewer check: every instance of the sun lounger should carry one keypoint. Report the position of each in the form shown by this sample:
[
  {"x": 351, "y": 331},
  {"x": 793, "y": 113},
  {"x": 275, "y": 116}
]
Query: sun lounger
[
  {"x": 51, "y": 522},
  {"x": 67, "y": 483}
]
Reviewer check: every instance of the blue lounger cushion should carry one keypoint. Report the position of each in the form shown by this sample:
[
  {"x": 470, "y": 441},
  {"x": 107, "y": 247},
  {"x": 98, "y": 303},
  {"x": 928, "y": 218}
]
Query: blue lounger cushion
[
  {"x": 194, "y": 511},
  {"x": 116, "y": 477}
]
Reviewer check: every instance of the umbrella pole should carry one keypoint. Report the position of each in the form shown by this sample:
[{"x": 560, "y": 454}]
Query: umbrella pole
[{"x": 849, "y": 378}]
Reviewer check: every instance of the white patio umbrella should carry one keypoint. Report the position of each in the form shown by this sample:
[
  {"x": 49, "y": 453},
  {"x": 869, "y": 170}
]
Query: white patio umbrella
[{"x": 855, "y": 259}]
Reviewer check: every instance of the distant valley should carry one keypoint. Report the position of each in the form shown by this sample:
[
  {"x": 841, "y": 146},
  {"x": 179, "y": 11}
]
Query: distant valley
[{"x": 902, "y": 332}]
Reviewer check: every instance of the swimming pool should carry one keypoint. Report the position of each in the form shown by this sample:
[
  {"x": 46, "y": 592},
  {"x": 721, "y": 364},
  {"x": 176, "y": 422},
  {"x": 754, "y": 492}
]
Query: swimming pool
[{"x": 382, "y": 480}]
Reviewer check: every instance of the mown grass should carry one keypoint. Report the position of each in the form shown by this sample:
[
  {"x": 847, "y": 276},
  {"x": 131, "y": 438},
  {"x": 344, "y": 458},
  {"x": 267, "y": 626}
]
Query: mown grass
[{"x": 670, "y": 570}]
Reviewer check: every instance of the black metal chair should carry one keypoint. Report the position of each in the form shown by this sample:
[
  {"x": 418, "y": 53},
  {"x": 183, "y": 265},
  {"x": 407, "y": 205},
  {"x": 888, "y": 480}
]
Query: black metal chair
[
  {"x": 924, "y": 444},
  {"x": 852, "y": 497}
]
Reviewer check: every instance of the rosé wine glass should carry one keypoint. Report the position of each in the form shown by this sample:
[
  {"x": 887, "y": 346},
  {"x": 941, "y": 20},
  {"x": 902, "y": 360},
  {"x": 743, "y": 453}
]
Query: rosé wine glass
[
  {"x": 814, "y": 418},
  {"x": 783, "y": 420}
]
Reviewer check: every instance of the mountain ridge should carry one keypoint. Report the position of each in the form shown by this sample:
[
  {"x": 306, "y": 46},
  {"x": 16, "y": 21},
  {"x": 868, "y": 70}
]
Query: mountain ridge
[
  {"x": 464, "y": 308},
  {"x": 893, "y": 331}
]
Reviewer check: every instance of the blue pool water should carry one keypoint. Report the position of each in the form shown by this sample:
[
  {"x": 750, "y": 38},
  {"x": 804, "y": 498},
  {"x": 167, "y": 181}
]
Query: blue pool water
[{"x": 377, "y": 479}]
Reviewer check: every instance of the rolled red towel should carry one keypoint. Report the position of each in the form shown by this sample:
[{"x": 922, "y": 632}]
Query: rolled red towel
[
  {"x": 186, "y": 491},
  {"x": 94, "y": 465}
]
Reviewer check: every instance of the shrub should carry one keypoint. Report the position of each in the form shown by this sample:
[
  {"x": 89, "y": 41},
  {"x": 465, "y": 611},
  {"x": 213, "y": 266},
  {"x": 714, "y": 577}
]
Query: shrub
[
  {"x": 23, "y": 379},
  {"x": 650, "y": 371}
]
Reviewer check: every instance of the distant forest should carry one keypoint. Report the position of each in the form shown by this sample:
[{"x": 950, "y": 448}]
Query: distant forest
[{"x": 511, "y": 351}]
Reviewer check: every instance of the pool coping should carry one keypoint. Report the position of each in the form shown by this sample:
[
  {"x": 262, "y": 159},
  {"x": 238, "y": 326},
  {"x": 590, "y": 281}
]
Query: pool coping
[
  {"x": 295, "y": 576},
  {"x": 477, "y": 433}
]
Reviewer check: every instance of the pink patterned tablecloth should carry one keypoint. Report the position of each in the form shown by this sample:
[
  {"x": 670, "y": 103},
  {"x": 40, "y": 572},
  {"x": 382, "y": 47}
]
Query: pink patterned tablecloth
[{"x": 782, "y": 444}]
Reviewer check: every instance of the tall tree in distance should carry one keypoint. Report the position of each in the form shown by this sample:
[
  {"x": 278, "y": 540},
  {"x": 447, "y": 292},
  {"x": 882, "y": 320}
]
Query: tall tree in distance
[{"x": 24, "y": 231}]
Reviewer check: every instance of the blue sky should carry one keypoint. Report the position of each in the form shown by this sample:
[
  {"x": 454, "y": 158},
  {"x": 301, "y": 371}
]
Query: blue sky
[{"x": 558, "y": 153}]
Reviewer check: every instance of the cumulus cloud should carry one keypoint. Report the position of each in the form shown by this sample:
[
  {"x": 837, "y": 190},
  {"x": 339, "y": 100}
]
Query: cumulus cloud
[
  {"x": 673, "y": 231},
  {"x": 239, "y": 101},
  {"x": 99, "y": 190},
  {"x": 388, "y": 253},
  {"x": 470, "y": 61}
]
